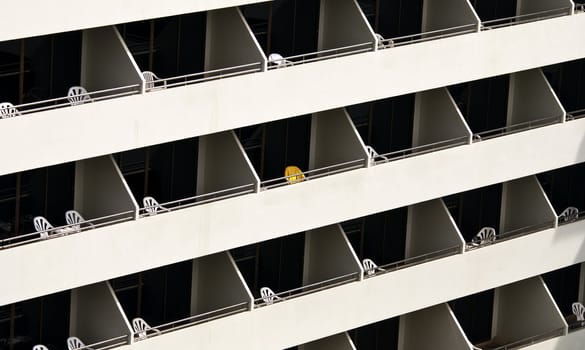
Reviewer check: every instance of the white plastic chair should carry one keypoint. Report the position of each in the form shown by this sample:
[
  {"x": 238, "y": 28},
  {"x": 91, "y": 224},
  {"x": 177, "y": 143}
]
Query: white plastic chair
[
  {"x": 569, "y": 214},
  {"x": 485, "y": 235},
  {"x": 151, "y": 205},
  {"x": 381, "y": 44},
  {"x": 268, "y": 295},
  {"x": 74, "y": 343},
  {"x": 141, "y": 327},
  {"x": 579, "y": 311},
  {"x": 77, "y": 95},
  {"x": 75, "y": 219},
  {"x": 39, "y": 347},
  {"x": 370, "y": 267},
  {"x": 277, "y": 60},
  {"x": 149, "y": 79},
  {"x": 43, "y": 226},
  {"x": 7, "y": 110},
  {"x": 372, "y": 155}
]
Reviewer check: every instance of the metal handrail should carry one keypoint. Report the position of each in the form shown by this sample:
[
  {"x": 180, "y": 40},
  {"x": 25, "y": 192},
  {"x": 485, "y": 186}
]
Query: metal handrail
[
  {"x": 532, "y": 340},
  {"x": 199, "y": 77},
  {"x": 580, "y": 216},
  {"x": 418, "y": 150},
  {"x": 511, "y": 129},
  {"x": 321, "y": 55},
  {"x": 577, "y": 114},
  {"x": 576, "y": 325},
  {"x": 107, "y": 344},
  {"x": 515, "y": 233},
  {"x": 194, "y": 320},
  {"x": 529, "y": 17},
  {"x": 415, "y": 260},
  {"x": 66, "y": 230},
  {"x": 429, "y": 35},
  {"x": 314, "y": 173},
  {"x": 199, "y": 199},
  {"x": 60, "y": 102},
  {"x": 308, "y": 289}
]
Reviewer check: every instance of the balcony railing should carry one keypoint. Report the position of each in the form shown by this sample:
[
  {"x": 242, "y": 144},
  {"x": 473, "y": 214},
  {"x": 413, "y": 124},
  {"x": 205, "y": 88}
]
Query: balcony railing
[
  {"x": 521, "y": 19},
  {"x": 197, "y": 200},
  {"x": 527, "y": 341},
  {"x": 310, "y": 288},
  {"x": 427, "y": 36},
  {"x": 107, "y": 344},
  {"x": 418, "y": 150},
  {"x": 577, "y": 114},
  {"x": 576, "y": 325},
  {"x": 511, "y": 129},
  {"x": 522, "y": 231},
  {"x": 320, "y": 55}
]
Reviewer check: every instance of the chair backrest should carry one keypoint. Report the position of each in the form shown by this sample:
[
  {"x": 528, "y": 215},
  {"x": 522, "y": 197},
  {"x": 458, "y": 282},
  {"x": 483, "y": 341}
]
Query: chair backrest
[
  {"x": 74, "y": 218},
  {"x": 151, "y": 205},
  {"x": 39, "y": 347},
  {"x": 276, "y": 59},
  {"x": 383, "y": 43},
  {"x": 569, "y": 214},
  {"x": 7, "y": 110},
  {"x": 140, "y": 327},
  {"x": 77, "y": 95},
  {"x": 293, "y": 174},
  {"x": 42, "y": 225},
  {"x": 74, "y": 343},
  {"x": 267, "y": 295},
  {"x": 579, "y": 311},
  {"x": 485, "y": 235},
  {"x": 369, "y": 266},
  {"x": 149, "y": 78}
]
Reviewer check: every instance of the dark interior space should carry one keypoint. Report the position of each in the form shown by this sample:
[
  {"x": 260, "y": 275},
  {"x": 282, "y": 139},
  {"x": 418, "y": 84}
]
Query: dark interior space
[
  {"x": 393, "y": 18},
  {"x": 169, "y": 46},
  {"x": 380, "y": 237},
  {"x": 475, "y": 209},
  {"x": 39, "y": 68},
  {"x": 568, "y": 81},
  {"x": 563, "y": 284},
  {"x": 387, "y": 124},
  {"x": 474, "y": 313},
  {"x": 287, "y": 27},
  {"x": 43, "y": 320},
  {"x": 489, "y": 10},
  {"x": 271, "y": 147},
  {"x": 276, "y": 264},
  {"x": 44, "y": 192},
  {"x": 483, "y": 103},
  {"x": 565, "y": 187},
  {"x": 166, "y": 172},
  {"x": 159, "y": 295},
  {"x": 377, "y": 336}
]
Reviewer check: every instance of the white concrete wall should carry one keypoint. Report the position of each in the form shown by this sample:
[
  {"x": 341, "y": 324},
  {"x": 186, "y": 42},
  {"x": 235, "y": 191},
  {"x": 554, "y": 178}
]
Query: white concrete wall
[
  {"x": 100, "y": 189},
  {"x": 342, "y": 23},
  {"x": 23, "y": 20},
  {"x": 214, "y": 227},
  {"x": 432, "y": 328},
  {"x": 530, "y": 97},
  {"x": 443, "y": 14},
  {"x": 334, "y": 140},
  {"x": 96, "y": 314},
  {"x": 437, "y": 118},
  {"x": 524, "y": 309},
  {"x": 229, "y": 41},
  {"x": 524, "y": 204},
  {"x": 352, "y": 305},
  {"x": 231, "y": 103},
  {"x": 222, "y": 164},
  {"x": 531, "y": 6},
  {"x": 328, "y": 254},
  {"x": 340, "y": 341},
  {"x": 106, "y": 62},
  {"x": 217, "y": 284},
  {"x": 430, "y": 228}
]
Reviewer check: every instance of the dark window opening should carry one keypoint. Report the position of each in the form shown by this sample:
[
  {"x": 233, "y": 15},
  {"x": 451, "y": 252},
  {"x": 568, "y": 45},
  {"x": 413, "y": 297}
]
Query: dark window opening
[
  {"x": 474, "y": 313},
  {"x": 568, "y": 81},
  {"x": 563, "y": 284},
  {"x": 377, "y": 336},
  {"x": 565, "y": 187}
]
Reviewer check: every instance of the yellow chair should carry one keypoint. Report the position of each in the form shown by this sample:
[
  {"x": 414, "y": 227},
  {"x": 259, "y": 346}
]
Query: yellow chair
[{"x": 293, "y": 174}]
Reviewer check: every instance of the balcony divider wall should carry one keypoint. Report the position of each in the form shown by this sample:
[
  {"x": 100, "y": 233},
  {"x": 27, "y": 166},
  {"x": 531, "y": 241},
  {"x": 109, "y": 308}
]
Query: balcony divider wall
[
  {"x": 441, "y": 15},
  {"x": 341, "y": 24},
  {"x": 340, "y": 341}
]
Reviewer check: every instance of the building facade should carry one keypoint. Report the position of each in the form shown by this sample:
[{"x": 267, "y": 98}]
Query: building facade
[{"x": 292, "y": 174}]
